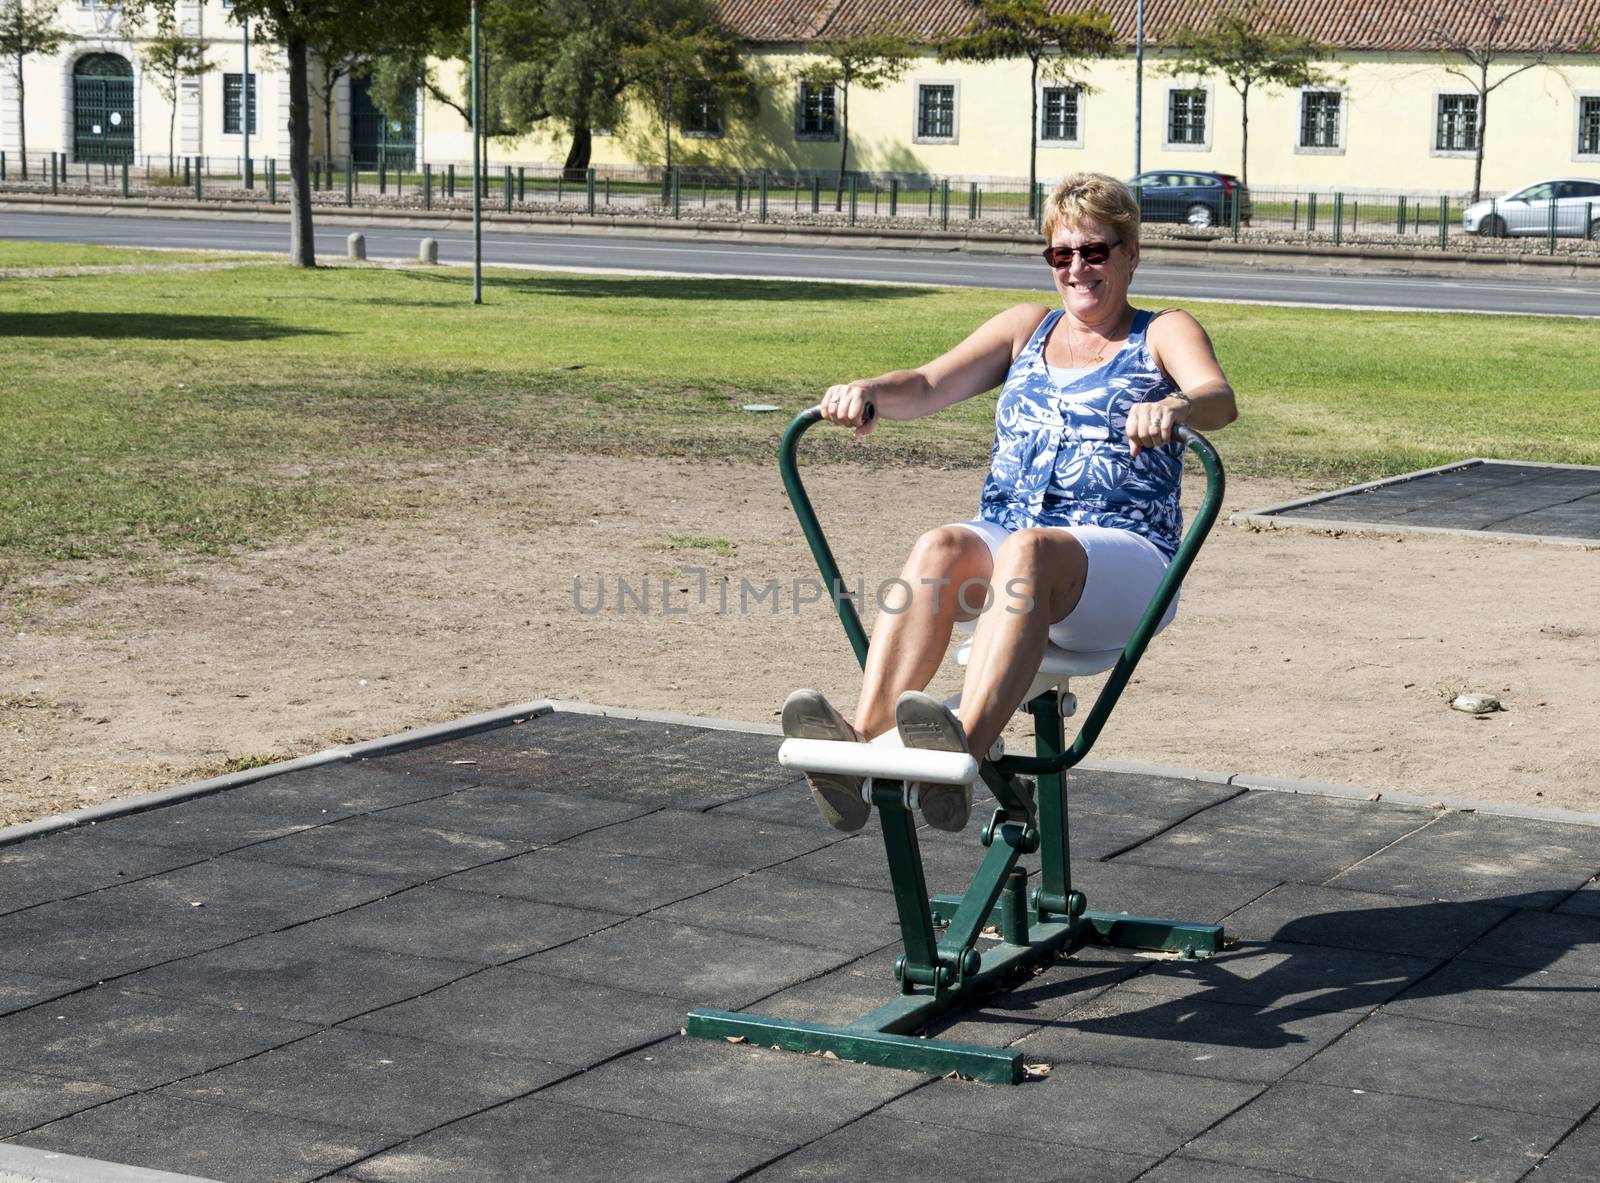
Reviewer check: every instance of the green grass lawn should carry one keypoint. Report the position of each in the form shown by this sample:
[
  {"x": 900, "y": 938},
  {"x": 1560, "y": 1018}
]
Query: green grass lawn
[
  {"x": 202, "y": 411},
  {"x": 74, "y": 254}
]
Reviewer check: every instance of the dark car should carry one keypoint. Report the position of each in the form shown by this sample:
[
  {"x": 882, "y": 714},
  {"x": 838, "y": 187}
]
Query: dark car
[{"x": 1200, "y": 199}]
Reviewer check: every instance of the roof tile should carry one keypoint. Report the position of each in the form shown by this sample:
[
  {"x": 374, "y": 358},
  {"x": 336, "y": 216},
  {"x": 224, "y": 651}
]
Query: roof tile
[{"x": 1516, "y": 26}]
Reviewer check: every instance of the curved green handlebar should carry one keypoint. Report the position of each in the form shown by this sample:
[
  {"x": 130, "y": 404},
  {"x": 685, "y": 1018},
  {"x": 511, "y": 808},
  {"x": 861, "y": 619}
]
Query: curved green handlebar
[
  {"x": 789, "y": 466},
  {"x": 1199, "y": 527}
]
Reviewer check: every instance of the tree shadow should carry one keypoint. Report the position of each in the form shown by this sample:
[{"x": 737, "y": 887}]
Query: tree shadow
[
  {"x": 1320, "y": 964},
  {"x": 151, "y": 326},
  {"x": 688, "y": 287}
]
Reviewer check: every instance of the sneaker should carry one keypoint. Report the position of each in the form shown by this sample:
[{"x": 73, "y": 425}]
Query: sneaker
[
  {"x": 808, "y": 715},
  {"x": 925, "y": 722}
]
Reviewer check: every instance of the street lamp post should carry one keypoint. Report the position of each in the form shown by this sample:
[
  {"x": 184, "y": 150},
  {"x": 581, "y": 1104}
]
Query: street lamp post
[
  {"x": 477, "y": 182},
  {"x": 1138, "y": 83},
  {"x": 244, "y": 113}
]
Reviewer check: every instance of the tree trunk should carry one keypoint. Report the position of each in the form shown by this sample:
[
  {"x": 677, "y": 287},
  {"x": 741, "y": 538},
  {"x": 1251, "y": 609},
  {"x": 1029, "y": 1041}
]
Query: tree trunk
[
  {"x": 22, "y": 122},
  {"x": 576, "y": 167},
  {"x": 1033, "y": 136},
  {"x": 302, "y": 239},
  {"x": 1244, "y": 129},
  {"x": 327, "y": 121},
  {"x": 172, "y": 131},
  {"x": 844, "y": 142},
  {"x": 1477, "y": 163},
  {"x": 666, "y": 118},
  {"x": 1483, "y": 121}
]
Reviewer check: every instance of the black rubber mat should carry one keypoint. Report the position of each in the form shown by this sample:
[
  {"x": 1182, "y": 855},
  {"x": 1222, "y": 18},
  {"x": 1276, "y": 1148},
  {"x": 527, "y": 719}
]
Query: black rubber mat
[
  {"x": 1491, "y": 496},
  {"x": 472, "y": 960}
]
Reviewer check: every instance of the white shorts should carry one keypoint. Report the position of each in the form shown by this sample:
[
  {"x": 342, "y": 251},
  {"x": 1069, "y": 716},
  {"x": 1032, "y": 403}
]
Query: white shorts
[{"x": 1124, "y": 571}]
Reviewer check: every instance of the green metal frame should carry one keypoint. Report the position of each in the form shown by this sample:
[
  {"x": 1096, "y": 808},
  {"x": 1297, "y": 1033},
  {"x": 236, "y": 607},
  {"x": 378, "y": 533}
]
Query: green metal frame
[{"x": 941, "y": 966}]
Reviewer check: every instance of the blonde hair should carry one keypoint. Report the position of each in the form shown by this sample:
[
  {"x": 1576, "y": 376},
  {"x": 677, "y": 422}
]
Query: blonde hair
[{"x": 1097, "y": 197}]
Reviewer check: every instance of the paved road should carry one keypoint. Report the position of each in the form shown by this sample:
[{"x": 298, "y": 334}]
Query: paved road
[{"x": 761, "y": 260}]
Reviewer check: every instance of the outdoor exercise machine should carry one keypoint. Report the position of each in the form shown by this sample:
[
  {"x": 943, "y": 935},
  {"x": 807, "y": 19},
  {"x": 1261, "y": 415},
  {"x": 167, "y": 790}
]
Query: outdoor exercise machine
[{"x": 942, "y": 966}]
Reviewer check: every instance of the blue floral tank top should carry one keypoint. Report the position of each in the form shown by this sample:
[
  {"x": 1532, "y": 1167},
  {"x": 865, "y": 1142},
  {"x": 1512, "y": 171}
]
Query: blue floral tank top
[{"x": 1061, "y": 452}]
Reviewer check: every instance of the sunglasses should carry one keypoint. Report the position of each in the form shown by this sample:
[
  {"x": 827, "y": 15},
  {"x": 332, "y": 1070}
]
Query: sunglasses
[{"x": 1092, "y": 253}]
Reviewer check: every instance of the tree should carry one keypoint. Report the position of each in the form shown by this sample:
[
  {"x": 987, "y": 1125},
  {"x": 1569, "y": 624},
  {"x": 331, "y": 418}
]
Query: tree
[
  {"x": 1472, "y": 38},
  {"x": 871, "y": 60},
  {"x": 297, "y": 27},
  {"x": 520, "y": 31},
  {"x": 685, "y": 45},
  {"x": 169, "y": 57},
  {"x": 1054, "y": 43},
  {"x": 337, "y": 57},
  {"x": 27, "y": 28},
  {"x": 573, "y": 62},
  {"x": 1248, "y": 49}
]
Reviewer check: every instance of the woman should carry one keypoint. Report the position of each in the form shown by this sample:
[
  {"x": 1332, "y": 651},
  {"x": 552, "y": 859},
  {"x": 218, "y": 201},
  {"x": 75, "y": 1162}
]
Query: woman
[{"x": 1079, "y": 514}]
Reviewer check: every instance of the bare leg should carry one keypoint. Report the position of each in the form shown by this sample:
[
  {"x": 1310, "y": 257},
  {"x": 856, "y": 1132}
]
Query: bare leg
[
  {"x": 913, "y": 632},
  {"x": 1049, "y": 566}
]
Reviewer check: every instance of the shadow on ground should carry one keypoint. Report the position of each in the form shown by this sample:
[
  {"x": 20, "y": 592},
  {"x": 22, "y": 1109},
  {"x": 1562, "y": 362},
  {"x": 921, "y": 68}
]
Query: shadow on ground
[{"x": 676, "y": 288}]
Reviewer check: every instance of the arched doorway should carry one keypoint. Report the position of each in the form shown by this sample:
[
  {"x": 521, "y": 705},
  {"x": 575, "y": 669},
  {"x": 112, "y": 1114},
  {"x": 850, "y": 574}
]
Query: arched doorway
[{"x": 102, "y": 108}]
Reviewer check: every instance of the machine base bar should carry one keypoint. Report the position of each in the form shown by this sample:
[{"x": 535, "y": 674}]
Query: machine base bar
[
  {"x": 932, "y": 1056},
  {"x": 1116, "y": 928}
]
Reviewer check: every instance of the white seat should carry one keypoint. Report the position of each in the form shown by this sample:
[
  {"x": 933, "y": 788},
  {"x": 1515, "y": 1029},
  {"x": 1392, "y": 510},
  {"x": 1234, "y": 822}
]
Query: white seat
[{"x": 1058, "y": 665}]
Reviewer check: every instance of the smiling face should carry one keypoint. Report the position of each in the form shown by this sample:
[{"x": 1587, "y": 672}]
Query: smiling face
[{"x": 1094, "y": 293}]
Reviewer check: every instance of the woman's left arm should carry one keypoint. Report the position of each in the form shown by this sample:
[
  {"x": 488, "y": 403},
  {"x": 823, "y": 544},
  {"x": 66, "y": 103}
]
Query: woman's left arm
[{"x": 1184, "y": 353}]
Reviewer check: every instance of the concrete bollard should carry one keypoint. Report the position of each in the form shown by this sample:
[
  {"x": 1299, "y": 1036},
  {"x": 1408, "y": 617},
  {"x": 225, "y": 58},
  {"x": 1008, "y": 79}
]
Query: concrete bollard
[
  {"x": 428, "y": 252},
  {"x": 356, "y": 246}
]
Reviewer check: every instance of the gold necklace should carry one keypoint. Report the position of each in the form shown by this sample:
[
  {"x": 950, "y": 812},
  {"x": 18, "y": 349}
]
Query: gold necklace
[{"x": 1072, "y": 349}]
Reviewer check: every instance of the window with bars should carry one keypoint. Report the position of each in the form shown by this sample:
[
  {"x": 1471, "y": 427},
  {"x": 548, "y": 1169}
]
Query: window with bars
[
  {"x": 1319, "y": 118},
  {"x": 1589, "y": 125},
  {"x": 1058, "y": 118},
  {"x": 1186, "y": 116},
  {"x": 233, "y": 100},
  {"x": 702, "y": 114},
  {"x": 1456, "y": 127},
  {"x": 936, "y": 111},
  {"x": 815, "y": 114}
]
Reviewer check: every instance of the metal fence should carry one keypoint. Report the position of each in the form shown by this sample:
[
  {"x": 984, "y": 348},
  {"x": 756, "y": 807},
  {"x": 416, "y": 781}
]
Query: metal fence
[{"x": 907, "y": 200}]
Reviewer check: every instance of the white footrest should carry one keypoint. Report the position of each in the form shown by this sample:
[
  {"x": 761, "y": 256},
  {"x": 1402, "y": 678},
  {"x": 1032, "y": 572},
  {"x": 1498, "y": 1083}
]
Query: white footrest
[{"x": 880, "y": 761}]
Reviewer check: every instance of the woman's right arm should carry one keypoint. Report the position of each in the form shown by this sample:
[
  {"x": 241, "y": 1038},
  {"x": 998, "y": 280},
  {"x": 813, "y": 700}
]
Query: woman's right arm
[{"x": 977, "y": 364}]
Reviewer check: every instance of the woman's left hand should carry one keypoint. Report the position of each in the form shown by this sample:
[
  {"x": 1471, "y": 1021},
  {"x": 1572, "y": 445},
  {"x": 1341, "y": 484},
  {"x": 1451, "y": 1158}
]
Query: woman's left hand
[{"x": 1152, "y": 424}]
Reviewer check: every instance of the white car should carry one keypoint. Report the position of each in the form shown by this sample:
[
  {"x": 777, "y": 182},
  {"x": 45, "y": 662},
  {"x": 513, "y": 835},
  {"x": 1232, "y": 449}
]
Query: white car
[{"x": 1527, "y": 211}]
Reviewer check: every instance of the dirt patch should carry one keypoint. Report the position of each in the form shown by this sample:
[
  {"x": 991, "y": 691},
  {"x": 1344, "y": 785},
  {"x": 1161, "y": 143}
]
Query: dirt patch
[{"x": 1329, "y": 656}]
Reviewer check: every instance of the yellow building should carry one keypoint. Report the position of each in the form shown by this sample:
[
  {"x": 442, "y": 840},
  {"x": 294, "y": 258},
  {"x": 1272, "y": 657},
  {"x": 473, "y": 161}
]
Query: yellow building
[{"x": 1393, "y": 116}]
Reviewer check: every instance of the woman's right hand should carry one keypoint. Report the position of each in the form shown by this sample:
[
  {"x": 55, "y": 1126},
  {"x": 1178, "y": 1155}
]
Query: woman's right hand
[{"x": 852, "y": 405}]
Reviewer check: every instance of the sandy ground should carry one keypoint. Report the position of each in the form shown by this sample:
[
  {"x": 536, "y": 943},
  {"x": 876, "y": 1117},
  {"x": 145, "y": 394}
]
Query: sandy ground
[{"x": 1328, "y": 656}]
